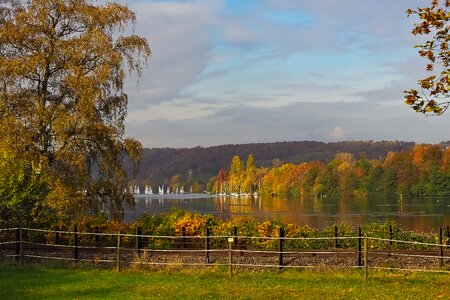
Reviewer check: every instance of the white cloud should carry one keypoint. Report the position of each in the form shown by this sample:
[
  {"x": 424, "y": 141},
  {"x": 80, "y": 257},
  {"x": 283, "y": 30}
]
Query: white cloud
[
  {"x": 180, "y": 37},
  {"x": 175, "y": 110},
  {"x": 240, "y": 35},
  {"x": 337, "y": 133},
  {"x": 216, "y": 78},
  {"x": 300, "y": 121}
]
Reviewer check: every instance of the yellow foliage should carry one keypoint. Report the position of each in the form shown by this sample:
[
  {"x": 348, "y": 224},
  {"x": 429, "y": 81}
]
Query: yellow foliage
[
  {"x": 343, "y": 166},
  {"x": 62, "y": 72},
  {"x": 193, "y": 224}
]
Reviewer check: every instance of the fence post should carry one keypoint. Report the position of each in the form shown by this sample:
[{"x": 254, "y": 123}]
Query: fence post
[
  {"x": 57, "y": 236},
  {"x": 365, "y": 257},
  {"x": 235, "y": 233},
  {"x": 97, "y": 236},
  {"x": 183, "y": 233},
  {"x": 138, "y": 240},
  {"x": 448, "y": 235},
  {"x": 118, "y": 252},
  {"x": 230, "y": 256},
  {"x": 21, "y": 245},
  {"x": 18, "y": 241},
  {"x": 441, "y": 249},
  {"x": 281, "y": 240},
  {"x": 207, "y": 244},
  {"x": 391, "y": 235},
  {"x": 359, "y": 254},
  {"x": 75, "y": 243},
  {"x": 336, "y": 245}
]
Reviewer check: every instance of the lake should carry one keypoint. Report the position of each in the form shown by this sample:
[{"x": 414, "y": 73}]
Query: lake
[{"x": 421, "y": 214}]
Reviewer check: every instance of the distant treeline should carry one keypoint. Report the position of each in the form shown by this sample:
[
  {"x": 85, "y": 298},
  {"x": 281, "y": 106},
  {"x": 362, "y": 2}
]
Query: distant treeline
[
  {"x": 195, "y": 166},
  {"x": 422, "y": 171}
]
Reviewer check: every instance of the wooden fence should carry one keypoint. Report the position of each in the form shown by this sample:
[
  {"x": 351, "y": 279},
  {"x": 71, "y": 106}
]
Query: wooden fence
[{"x": 233, "y": 251}]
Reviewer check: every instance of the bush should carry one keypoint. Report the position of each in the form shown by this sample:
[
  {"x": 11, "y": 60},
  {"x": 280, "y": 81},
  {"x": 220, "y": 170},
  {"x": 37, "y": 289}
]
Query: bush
[{"x": 252, "y": 233}]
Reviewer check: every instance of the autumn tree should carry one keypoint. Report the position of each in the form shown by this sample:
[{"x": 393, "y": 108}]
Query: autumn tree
[
  {"x": 175, "y": 182},
  {"x": 62, "y": 70},
  {"x": 236, "y": 174},
  {"x": 220, "y": 182},
  {"x": 250, "y": 175},
  {"x": 445, "y": 161},
  {"x": 311, "y": 178},
  {"x": 433, "y": 96}
]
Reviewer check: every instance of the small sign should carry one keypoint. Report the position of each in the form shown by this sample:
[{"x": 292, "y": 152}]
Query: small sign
[{"x": 230, "y": 240}]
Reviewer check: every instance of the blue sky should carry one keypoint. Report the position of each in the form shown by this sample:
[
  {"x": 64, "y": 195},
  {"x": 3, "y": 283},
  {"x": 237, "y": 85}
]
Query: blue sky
[{"x": 247, "y": 71}]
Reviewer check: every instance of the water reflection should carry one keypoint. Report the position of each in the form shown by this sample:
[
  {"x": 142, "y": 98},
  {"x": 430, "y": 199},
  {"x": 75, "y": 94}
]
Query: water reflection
[{"x": 422, "y": 214}]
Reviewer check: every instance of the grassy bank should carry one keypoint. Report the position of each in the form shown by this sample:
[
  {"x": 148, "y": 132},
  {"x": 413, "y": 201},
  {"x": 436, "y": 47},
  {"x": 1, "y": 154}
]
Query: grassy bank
[{"x": 44, "y": 282}]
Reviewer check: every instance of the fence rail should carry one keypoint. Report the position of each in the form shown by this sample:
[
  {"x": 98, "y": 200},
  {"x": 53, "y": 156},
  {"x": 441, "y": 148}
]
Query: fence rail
[{"x": 234, "y": 251}]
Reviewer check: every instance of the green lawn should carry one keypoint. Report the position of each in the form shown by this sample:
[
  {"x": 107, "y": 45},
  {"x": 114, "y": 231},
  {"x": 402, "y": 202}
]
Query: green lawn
[{"x": 40, "y": 282}]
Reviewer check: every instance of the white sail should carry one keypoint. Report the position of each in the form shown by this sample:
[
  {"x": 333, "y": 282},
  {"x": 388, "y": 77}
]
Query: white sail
[{"x": 136, "y": 190}]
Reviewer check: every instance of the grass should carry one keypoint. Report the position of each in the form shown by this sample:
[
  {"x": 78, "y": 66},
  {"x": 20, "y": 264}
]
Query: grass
[{"x": 70, "y": 282}]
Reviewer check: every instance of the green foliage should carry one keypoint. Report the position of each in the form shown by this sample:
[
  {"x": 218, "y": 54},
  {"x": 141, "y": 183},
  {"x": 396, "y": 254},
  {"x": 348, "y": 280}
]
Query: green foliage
[
  {"x": 299, "y": 231},
  {"x": 343, "y": 230},
  {"x": 21, "y": 188},
  {"x": 387, "y": 183}
]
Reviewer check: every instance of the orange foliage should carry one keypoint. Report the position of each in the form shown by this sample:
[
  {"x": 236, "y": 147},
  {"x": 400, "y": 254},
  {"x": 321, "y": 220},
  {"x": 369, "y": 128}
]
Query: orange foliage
[
  {"x": 424, "y": 156},
  {"x": 193, "y": 224},
  {"x": 445, "y": 161}
]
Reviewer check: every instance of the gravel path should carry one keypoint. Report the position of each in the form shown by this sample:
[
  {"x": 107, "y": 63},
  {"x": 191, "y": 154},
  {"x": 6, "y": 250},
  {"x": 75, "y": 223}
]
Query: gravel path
[{"x": 333, "y": 259}]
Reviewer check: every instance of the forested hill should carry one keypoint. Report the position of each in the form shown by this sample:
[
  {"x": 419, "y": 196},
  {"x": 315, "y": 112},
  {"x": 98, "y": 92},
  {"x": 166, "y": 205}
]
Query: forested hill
[{"x": 159, "y": 165}]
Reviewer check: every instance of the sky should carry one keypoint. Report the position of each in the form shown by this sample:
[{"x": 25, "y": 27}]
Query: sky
[{"x": 250, "y": 71}]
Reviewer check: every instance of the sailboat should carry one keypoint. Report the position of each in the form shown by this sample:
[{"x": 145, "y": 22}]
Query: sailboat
[
  {"x": 148, "y": 190},
  {"x": 136, "y": 190}
]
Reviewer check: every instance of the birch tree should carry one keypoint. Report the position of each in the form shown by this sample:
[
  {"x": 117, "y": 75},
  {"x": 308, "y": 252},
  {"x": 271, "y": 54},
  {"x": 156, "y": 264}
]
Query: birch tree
[{"x": 62, "y": 69}]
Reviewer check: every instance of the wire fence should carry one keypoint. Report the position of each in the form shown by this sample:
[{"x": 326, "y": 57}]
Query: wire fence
[{"x": 235, "y": 252}]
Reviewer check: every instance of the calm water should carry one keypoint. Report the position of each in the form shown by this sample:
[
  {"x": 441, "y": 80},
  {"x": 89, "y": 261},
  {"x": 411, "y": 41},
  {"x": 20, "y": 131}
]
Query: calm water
[{"x": 423, "y": 214}]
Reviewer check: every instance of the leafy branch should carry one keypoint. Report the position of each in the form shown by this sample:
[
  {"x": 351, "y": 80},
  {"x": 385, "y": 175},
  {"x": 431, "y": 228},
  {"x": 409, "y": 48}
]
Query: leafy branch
[{"x": 434, "y": 96}]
